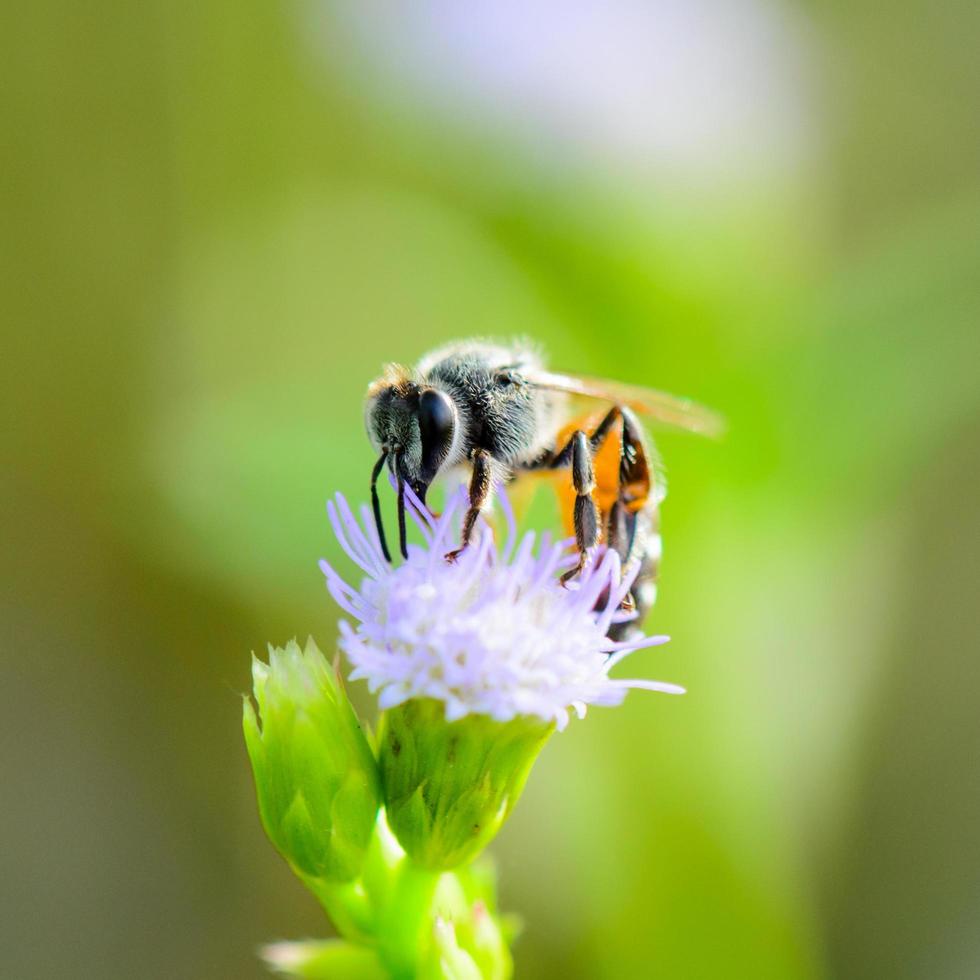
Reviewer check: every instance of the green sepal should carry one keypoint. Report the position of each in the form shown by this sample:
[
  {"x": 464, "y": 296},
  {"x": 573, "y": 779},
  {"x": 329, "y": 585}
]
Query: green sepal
[{"x": 449, "y": 786}]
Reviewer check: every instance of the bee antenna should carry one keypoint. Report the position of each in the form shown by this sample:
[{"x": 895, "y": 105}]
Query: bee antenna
[
  {"x": 376, "y": 505},
  {"x": 402, "y": 529}
]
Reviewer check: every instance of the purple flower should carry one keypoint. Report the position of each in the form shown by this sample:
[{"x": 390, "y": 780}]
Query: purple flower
[{"x": 495, "y": 633}]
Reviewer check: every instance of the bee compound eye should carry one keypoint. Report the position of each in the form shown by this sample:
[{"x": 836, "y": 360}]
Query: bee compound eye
[
  {"x": 437, "y": 423},
  {"x": 435, "y": 414}
]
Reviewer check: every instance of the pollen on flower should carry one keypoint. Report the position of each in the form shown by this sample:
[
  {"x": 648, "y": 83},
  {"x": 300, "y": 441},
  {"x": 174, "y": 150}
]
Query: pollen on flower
[{"x": 494, "y": 633}]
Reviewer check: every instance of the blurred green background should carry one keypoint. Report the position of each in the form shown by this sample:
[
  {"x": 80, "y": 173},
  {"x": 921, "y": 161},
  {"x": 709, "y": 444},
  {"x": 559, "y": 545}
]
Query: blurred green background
[{"x": 219, "y": 219}]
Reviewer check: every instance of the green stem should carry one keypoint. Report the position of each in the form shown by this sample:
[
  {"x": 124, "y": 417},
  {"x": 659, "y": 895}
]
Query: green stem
[
  {"x": 405, "y": 924},
  {"x": 347, "y": 906}
]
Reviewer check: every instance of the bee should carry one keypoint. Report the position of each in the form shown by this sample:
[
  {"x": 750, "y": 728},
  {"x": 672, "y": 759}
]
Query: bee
[{"x": 496, "y": 411}]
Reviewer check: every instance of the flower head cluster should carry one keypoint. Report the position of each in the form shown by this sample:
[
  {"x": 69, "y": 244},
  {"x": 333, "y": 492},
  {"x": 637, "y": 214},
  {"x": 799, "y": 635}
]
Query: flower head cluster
[{"x": 495, "y": 633}]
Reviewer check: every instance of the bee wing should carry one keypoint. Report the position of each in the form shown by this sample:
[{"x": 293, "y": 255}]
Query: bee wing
[{"x": 680, "y": 413}]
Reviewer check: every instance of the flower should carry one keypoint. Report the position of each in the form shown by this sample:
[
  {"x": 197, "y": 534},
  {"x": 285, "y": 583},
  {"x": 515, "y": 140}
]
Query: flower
[
  {"x": 476, "y": 663},
  {"x": 495, "y": 633}
]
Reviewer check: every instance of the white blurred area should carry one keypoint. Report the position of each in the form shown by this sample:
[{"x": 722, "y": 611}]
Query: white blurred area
[{"x": 700, "y": 92}]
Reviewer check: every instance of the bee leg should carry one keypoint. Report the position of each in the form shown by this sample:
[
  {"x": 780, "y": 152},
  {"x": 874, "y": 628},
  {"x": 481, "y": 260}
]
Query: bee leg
[
  {"x": 557, "y": 459},
  {"x": 622, "y": 538},
  {"x": 586, "y": 514},
  {"x": 605, "y": 427},
  {"x": 578, "y": 453},
  {"x": 632, "y": 530},
  {"x": 480, "y": 482},
  {"x": 619, "y": 530}
]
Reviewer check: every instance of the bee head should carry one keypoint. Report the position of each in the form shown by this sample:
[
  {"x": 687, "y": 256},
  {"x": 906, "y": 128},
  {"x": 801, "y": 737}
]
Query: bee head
[{"x": 414, "y": 427}]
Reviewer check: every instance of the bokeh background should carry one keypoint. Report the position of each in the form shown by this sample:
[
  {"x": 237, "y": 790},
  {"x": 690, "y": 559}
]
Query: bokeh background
[{"x": 219, "y": 219}]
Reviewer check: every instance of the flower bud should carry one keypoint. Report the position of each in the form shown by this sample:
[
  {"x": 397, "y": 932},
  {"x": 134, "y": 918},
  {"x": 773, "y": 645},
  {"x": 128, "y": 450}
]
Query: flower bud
[
  {"x": 469, "y": 937},
  {"x": 330, "y": 959},
  {"x": 315, "y": 774},
  {"x": 450, "y": 785}
]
